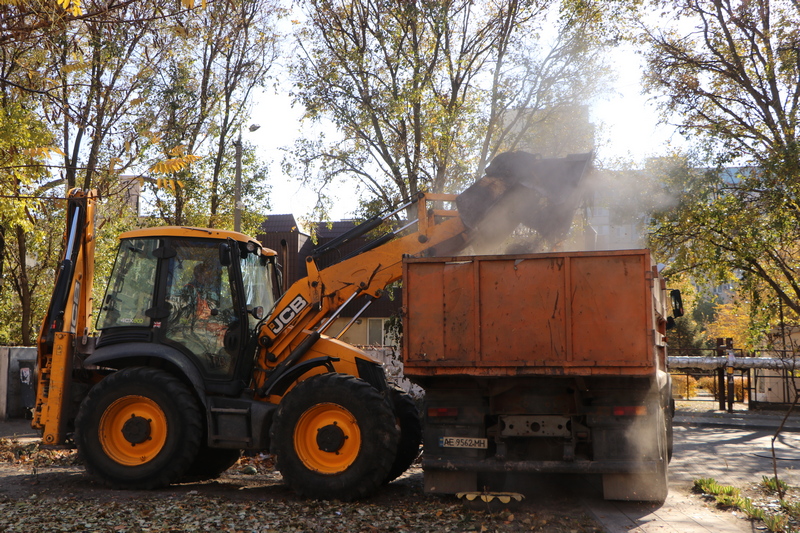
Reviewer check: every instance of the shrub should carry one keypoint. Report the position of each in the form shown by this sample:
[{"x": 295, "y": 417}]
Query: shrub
[
  {"x": 792, "y": 509},
  {"x": 684, "y": 387},
  {"x": 752, "y": 511},
  {"x": 709, "y": 384},
  {"x": 776, "y": 523},
  {"x": 773, "y": 485}
]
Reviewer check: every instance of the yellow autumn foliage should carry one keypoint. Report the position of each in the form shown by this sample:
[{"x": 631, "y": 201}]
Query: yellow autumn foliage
[
  {"x": 174, "y": 164},
  {"x": 732, "y": 321},
  {"x": 73, "y": 6},
  {"x": 42, "y": 151}
]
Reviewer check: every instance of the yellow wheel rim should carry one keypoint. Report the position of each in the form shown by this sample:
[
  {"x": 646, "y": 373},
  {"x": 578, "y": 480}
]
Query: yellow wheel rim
[
  {"x": 133, "y": 430},
  {"x": 327, "y": 438}
]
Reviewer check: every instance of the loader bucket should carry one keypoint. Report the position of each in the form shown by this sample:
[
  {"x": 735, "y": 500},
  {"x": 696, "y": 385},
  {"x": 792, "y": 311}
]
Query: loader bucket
[{"x": 521, "y": 188}]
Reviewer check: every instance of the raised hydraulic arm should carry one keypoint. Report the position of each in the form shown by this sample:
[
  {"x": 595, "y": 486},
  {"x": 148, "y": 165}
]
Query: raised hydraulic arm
[
  {"x": 308, "y": 308},
  {"x": 66, "y": 324}
]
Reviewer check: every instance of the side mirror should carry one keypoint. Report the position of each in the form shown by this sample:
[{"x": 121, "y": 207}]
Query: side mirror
[
  {"x": 677, "y": 303},
  {"x": 225, "y": 254},
  {"x": 257, "y": 312}
]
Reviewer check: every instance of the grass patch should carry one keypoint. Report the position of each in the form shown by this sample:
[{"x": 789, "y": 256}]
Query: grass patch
[
  {"x": 753, "y": 512},
  {"x": 777, "y": 523},
  {"x": 729, "y": 497},
  {"x": 707, "y": 486},
  {"x": 791, "y": 508},
  {"x": 774, "y": 486}
]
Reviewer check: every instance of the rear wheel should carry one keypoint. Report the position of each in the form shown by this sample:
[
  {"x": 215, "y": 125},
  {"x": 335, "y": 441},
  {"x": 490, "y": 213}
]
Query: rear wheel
[
  {"x": 670, "y": 418},
  {"x": 139, "y": 428},
  {"x": 334, "y": 437},
  {"x": 407, "y": 417},
  {"x": 652, "y": 487}
]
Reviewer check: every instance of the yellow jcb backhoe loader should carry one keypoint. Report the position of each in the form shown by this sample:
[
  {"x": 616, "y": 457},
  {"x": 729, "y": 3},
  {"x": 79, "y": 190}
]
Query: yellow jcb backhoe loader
[{"x": 199, "y": 356}]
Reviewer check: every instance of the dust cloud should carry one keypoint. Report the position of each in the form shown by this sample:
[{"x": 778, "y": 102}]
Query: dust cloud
[{"x": 528, "y": 204}]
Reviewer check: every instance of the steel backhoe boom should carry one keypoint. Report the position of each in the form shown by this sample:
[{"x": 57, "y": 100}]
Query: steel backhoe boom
[{"x": 66, "y": 324}]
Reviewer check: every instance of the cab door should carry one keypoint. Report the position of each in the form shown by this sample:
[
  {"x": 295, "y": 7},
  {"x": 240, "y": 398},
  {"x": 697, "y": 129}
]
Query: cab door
[{"x": 204, "y": 316}]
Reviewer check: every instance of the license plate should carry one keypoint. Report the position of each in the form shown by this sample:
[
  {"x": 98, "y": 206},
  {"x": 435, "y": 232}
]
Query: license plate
[{"x": 463, "y": 442}]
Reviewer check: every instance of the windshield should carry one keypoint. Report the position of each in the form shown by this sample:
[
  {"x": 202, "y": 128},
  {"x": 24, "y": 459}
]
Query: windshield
[
  {"x": 130, "y": 288},
  {"x": 257, "y": 276}
]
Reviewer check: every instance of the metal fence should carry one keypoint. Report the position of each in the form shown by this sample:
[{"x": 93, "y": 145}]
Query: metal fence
[
  {"x": 762, "y": 379},
  {"x": 713, "y": 387}
]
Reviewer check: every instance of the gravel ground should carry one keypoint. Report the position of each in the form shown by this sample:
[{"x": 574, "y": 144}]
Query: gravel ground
[{"x": 48, "y": 491}]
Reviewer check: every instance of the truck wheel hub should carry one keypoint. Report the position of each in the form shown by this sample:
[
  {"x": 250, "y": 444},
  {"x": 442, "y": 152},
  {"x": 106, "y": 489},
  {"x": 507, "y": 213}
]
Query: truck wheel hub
[
  {"x": 136, "y": 430},
  {"x": 330, "y": 438}
]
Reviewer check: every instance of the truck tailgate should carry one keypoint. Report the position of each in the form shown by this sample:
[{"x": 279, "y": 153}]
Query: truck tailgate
[{"x": 572, "y": 313}]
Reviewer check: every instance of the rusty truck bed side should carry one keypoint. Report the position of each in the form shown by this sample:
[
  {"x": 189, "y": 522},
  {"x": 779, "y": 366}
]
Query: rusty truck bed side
[{"x": 571, "y": 313}]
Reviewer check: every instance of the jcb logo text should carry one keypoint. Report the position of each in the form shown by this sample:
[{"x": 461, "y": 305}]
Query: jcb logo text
[{"x": 287, "y": 314}]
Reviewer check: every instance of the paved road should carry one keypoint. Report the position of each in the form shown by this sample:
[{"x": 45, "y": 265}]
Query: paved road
[{"x": 734, "y": 449}]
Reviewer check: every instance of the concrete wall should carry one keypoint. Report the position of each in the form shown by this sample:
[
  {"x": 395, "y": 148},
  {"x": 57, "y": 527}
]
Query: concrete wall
[
  {"x": 772, "y": 386},
  {"x": 17, "y": 382}
]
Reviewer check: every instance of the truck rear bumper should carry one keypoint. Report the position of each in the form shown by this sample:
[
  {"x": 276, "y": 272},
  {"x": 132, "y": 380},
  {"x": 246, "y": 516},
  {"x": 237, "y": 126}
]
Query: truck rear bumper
[{"x": 536, "y": 467}]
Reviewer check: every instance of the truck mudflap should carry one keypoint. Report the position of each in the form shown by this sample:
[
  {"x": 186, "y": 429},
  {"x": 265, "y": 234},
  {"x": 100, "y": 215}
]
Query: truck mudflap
[{"x": 541, "y": 467}]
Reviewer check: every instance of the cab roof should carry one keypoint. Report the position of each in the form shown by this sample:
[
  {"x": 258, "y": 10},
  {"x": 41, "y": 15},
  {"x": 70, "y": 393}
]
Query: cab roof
[{"x": 194, "y": 233}]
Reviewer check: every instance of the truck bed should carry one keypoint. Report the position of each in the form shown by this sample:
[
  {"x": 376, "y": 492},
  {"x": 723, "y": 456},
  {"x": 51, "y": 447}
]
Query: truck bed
[{"x": 569, "y": 314}]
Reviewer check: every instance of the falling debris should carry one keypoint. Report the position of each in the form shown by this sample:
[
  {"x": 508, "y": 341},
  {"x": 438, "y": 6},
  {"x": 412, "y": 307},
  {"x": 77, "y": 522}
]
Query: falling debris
[{"x": 521, "y": 189}]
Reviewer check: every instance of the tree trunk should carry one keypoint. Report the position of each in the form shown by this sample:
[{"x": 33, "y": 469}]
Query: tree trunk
[{"x": 24, "y": 290}]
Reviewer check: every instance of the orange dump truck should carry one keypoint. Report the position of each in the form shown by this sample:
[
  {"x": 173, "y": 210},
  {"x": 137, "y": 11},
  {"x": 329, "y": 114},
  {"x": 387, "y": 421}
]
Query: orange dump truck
[{"x": 542, "y": 363}]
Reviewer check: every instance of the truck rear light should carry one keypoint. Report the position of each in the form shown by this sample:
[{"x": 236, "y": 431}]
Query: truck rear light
[
  {"x": 629, "y": 410},
  {"x": 619, "y": 410},
  {"x": 434, "y": 412}
]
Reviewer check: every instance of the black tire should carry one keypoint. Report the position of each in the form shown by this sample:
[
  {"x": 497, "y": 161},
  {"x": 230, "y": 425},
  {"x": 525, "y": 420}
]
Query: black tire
[
  {"x": 650, "y": 487},
  {"x": 670, "y": 439},
  {"x": 670, "y": 417},
  {"x": 334, "y": 437},
  {"x": 139, "y": 428},
  {"x": 408, "y": 447},
  {"x": 210, "y": 463},
  {"x": 661, "y": 481}
]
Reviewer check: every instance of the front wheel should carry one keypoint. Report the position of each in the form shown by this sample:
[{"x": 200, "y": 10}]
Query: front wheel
[
  {"x": 334, "y": 436},
  {"x": 139, "y": 428}
]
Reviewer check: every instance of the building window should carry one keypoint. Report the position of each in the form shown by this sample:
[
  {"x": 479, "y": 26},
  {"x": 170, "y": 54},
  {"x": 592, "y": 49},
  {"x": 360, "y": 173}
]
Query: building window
[{"x": 375, "y": 331}]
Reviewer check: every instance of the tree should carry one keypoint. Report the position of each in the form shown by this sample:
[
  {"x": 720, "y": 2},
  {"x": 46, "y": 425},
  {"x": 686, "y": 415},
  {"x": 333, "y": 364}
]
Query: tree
[
  {"x": 732, "y": 321},
  {"x": 25, "y": 146},
  {"x": 424, "y": 94},
  {"x": 21, "y": 137},
  {"x": 200, "y": 102},
  {"x": 689, "y": 336},
  {"x": 88, "y": 97},
  {"x": 732, "y": 84},
  {"x": 20, "y": 20}
]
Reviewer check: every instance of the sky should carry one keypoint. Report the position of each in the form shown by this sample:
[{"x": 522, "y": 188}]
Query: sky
[{"x": 627, "y": 118}]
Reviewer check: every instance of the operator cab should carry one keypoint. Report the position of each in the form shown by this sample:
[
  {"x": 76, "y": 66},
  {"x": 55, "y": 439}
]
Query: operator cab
[{"x": 199, "y": 293}]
